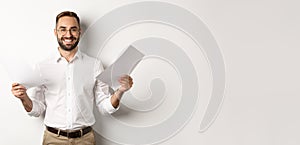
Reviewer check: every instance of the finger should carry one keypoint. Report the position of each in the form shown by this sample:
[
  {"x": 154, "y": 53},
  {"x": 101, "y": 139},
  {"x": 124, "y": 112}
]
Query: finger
[
  {"x": 124, "y": 82},
  {"x": 19, "y": 93},
  {"x": 126, "y": 85},
  {"x": 16, "y": 93},
  {"x": 131, "y": 84},
  {"x": 19, "y": 88},
  {"x": 14, "y": 89},
  {"x": 22, "y": 93},
  {"x": 14, "y": 84},
  {"x": 126, "y": 78}
]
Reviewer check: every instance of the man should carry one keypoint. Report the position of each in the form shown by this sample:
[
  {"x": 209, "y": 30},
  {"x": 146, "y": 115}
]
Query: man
[{"x": 70, "y": 89}]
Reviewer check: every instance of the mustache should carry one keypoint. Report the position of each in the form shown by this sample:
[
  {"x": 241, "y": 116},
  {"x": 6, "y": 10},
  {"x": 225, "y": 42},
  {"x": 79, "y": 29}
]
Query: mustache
[{"x": 72, "y": 38}]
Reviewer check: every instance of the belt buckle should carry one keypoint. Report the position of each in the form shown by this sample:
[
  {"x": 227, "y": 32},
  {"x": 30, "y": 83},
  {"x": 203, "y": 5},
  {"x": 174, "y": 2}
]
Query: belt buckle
[{"x": 75, "y": 133}]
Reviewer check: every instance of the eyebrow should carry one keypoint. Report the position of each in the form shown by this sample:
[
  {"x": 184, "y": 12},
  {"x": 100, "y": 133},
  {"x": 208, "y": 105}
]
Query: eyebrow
[
  {"x": 61, "y": 27},
  {"x": 74, "y": 27}
]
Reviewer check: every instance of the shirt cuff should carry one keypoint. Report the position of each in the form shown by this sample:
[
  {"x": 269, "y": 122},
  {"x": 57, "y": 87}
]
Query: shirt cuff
[
  {"x": 34, "y": 111},
  {"x": 109, "y": 107}
]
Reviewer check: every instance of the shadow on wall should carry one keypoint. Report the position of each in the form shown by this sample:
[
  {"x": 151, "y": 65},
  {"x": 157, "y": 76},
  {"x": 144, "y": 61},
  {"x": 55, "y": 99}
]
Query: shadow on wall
[
  {"x": 84, "y": 27},
  {"x": 100, "y": 140}
]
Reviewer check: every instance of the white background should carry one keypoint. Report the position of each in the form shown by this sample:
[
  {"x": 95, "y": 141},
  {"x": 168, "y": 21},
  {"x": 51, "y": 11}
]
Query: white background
[{"x": 258, "y": 39}]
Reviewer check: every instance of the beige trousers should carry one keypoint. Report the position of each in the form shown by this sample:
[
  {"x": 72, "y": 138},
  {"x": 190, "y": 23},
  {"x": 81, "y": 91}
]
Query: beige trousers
[{"x": 53, "y": 139}]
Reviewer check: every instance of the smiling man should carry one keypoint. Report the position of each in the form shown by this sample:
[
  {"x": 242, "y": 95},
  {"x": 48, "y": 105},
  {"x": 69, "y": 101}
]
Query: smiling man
[
  {"x": 67, "y": 38},
  {"x": 68, "y": 96}
]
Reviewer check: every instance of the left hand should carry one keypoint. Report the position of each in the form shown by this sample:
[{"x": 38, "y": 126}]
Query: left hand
[{"x": 125, "y": 82}]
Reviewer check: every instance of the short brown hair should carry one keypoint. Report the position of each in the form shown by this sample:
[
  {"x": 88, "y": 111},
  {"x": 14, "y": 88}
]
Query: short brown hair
[{"x": 69, "y": 14}]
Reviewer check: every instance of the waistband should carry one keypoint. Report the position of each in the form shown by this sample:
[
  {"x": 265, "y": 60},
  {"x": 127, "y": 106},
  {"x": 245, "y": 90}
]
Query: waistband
[{"x": 71, "y": 133}]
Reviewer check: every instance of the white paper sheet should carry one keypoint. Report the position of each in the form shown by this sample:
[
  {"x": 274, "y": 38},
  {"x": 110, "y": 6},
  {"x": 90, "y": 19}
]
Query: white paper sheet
[
  {"x": 123, "y": 65},
  {"x": 21, "y": 72}
]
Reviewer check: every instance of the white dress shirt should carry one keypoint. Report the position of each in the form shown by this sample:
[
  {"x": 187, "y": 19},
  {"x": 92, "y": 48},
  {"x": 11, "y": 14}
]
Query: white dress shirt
[{"x": 70, "y": 91}]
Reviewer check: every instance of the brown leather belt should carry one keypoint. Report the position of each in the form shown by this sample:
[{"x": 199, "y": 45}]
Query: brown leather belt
[{"x": 70, "y": 134}]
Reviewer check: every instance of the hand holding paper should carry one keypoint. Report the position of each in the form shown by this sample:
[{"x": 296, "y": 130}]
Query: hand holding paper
[{"x": 123, "y": 65}]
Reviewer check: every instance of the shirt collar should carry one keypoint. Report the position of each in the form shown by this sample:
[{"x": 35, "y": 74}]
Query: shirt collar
[{"x": 58, "y": 57}]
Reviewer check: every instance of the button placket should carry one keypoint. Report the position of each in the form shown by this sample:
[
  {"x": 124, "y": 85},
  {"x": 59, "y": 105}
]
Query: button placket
[{"x": 69, "y": 98}]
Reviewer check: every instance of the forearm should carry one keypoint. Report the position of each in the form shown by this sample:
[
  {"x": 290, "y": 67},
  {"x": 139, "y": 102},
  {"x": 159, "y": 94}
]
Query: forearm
[
  {"x": 125, "y": 84},
  {"x": 27, "y": 103},
  {"x": 116, "y": 97}
]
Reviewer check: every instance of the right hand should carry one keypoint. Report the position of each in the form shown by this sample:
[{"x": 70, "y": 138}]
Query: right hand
[{"x": 19, "y": 91}]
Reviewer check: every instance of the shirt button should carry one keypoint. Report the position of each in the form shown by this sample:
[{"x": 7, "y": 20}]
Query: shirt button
[{"x": 69, "y": 78}]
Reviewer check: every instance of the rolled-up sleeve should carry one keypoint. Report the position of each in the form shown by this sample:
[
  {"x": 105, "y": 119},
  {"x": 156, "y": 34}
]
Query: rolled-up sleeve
[
  {"x": 102, "y": 93},
  {"x": 37, "y": 96},
  {"x": 103, "y": 98}
]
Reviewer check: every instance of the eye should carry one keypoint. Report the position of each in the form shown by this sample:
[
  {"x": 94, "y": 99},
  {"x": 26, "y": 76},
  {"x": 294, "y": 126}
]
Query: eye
[
  {"x": 74, "y": 30},
  {"x": 62, "y": 30}
]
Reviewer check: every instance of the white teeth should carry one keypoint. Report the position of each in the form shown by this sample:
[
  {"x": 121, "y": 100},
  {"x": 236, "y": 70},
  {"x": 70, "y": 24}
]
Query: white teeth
[{"x": 66, "y": 40}]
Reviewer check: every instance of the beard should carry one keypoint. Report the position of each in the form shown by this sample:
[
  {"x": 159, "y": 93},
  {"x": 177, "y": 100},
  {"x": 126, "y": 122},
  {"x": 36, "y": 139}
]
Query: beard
[{"x": 67, "y": 47}]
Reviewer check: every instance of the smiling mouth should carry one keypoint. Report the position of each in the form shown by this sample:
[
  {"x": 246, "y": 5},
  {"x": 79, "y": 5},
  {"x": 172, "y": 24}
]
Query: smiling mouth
[{"x": 68, "y": 41}]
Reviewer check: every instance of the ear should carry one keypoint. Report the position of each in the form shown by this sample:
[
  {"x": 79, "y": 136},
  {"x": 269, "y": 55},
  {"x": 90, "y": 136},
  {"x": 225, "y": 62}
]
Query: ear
[
  {"x": 80, "y": 31},
  {"x": 55, "y": 32}
]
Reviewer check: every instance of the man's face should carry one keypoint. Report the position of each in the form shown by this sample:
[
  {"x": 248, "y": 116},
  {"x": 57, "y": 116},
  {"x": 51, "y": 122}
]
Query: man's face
[{"x": 67, "y": 32}]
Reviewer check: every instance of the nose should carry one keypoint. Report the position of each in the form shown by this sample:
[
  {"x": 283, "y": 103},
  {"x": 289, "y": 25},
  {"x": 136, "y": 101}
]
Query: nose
[{"x": 68, "y": 33}]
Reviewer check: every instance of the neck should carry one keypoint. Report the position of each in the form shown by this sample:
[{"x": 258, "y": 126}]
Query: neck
[{"x": 68, "y": 55}]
